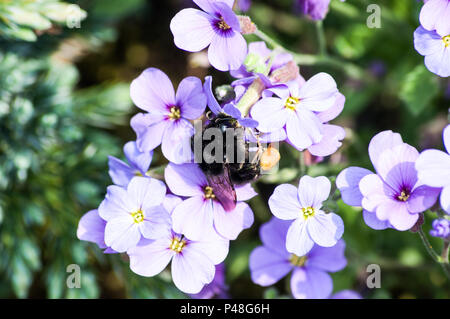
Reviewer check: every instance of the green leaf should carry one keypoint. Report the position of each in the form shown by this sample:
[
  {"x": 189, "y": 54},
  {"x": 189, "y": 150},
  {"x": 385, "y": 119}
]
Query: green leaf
[{"x": 419, "y": 88}]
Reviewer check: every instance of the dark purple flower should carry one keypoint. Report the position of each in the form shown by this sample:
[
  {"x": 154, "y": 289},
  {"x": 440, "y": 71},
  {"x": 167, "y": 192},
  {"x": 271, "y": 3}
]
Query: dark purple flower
[
  {"x": 441, "y": 228},
  {"x": 393, "y": 196},
  {"x": 217, "y": 288},
  {"x": 433, "y": 168},
  {"x": 435, "y": 48},
  {"x": 167, "y": 121},
  {"x": 310, "y": 279},
  {"x": 303, "y": 205},
  {"x": 201, "y": 211},
  {"x": 217, "y": 26},
  {"x": 138, "y": 164}
]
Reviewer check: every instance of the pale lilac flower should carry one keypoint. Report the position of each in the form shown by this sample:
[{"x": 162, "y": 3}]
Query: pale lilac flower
[
  {"x": 315, "y": 9},
  {"x": 441, "y": 228},
  {"x": 134, "y": 212},
  {"x": 138, "y": 164},
  {"x": 295, "y": 108},
  {"x": 310, "y": 279},
  {"x": 193, "y": 261},
  {"x": 435, "y": 15},
  {"x": 229, "y": 108},
  {"x": 436, "y": 49},
  {"x": 91, "y": 227},
  {"x": 201, "y": 211},
  {"x": 393, "y": 196},
  {"x": 167, "y": 121},
  {"x": 217, "y": 26},
  {"x": 311, "y": 225},
  {"x": 346, "y": 294},
  {"x": 217, "y": 288},
  {"x": 433, "y": 168}
]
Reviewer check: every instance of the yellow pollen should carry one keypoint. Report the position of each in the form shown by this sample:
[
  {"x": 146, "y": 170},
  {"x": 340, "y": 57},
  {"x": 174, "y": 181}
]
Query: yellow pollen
[
  {"x": 175, "y": 113},
  {"x": 292, "y": 102},
  {"x": 209, "y": 194},
  {"x": 308, "y": 212},
  {"x": 446, "y": 40},
  {"x": 177, "y": 244},
  {"x": 403, "y": 196},
  {"x": 138, "y": 216},
  {"x": 223, "y": 25},
  {"x": 297, "y": 261}
]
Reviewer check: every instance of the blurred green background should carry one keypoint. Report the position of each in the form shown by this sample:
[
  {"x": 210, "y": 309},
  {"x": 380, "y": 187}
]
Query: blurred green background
[{"x": 65, "y": 106}]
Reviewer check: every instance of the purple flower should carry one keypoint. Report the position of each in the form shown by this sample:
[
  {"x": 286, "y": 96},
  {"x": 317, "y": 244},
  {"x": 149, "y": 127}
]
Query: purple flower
[
  {"x": 229, "y": 108},
  {"x": 134, "y": 212},
  {"x": 392, "y": 197},
  {"x": 217, "y": 26},
  {"x": 201, "y": 211},
  {"x": 315, "y": 9},
  {"x": 441, "y": 228},
  {"x": 346, "y": 294},
  {"x": 310, "y": 279},
  {"x": 217, "y": 288},
  {"x": 436, "y": 49},
  {"x": 138, "y": 164},
  {"x": 167, "y": 121},
  {"x": 433, "y": 168},
  {"x": 193, "y": 261},
  {"x": 311, "y": 225},
  {"x": 295, "y": 108},
  {"x": 435, "y": 15}
]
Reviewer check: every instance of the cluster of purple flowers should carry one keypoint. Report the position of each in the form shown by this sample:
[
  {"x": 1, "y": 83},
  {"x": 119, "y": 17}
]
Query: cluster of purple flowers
[{"x": 432, "y": 37}]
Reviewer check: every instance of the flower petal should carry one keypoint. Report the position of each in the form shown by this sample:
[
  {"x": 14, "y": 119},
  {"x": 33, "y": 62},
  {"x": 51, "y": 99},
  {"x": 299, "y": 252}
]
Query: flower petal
[
  {"x": 150, "y": 257},
  {"x": 374, "y": 191},
  {"x": 139, "y": 160},
  {"x": 91, "y": 227},
  {"x": 193, "y": 217},
  {"x": 267, "y": 267},
  {"x": 434, "y": 16},
  {"x": 227, "y": 52},
  {"x": 152, "y": 91},
  {"x": 149, "y": 129},
  {"x": 192, "y": 270},
  {"x": 330, "y": 142},
  {"x": 298, "y": 241},
  {"x": 120, "y": 172},
  {"x": 157, "y": 223},
  {"x": 273, "y": 236},
  {"x": 176, "y": 142},
  {"x": 313, "y": 191},
  {"x": 303, "y": 129},
  {"x": 348, "y": 183},
  {"x": 325, "y": 229},
  {"x": 330, "y": 259},
  {"x": 185, "y": 179},
  {"x": 398, "y": 215},
  {"x": 382, "y": 141},
  {"x": 433, "y": 168},
  {"x": 311, "y": 283},
  {"x": 214, "y": 246},
  {"x": 116, "y": 203},
  {"x": 445, "y": 199},
  {"x": 270, "y": 114},
  {"x": 121, "y": 233},
  {"x": 333, "y": 111},
  {"x": 427, "y": 42},
  {"x": 190, "y": 98},
  {"x": 192, "y": 29},
  {"x": 422, "y": 198},
  {"x": 245, "y": 192},
  {"x": 146, "y": 192},
  {"x": 230, "y": 224},
  {"x": 284, "y": 202},
  {"x": 318, "y": 93},
  {"x": 373, "y": 222}
]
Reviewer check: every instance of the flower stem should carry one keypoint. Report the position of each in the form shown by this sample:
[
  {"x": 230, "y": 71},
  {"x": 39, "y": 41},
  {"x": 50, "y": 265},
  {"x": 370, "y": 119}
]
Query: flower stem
[
  {"x": 433, "y": 254},
  {"x": 321, "y": 38}
]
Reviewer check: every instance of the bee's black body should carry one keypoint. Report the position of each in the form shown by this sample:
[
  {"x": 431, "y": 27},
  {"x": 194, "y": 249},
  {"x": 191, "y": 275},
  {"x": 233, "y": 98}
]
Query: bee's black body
[{"x": 239, "y": 173}]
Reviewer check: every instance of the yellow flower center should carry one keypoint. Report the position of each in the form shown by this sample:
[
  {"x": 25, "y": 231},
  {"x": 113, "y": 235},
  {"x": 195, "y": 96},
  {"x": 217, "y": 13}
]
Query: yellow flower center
[
  {"x": 175, "y": 113},
  {"x": 446, "y": 40},
  {"x": 308, "y": 212},
  {"x": 209, "y": 194},
  {"x": 177, "y": 244},
  {"x": 138, "y": 216},
  {"x": 297, "y": 261},
  {"x": 291, "y": 103},
  {"x": 223, "y": 25},
  {"x": 403, "y": 196}
]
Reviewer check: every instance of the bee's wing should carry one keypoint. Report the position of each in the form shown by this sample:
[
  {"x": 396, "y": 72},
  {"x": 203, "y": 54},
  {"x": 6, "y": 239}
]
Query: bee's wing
[{"x": 223, "y": 189}]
